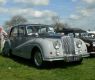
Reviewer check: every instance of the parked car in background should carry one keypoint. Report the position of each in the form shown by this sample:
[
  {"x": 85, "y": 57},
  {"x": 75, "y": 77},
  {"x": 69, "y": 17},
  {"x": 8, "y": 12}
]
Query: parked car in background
[
  {"x": 40, "y": 43},
  {"x": 89, "y": 39},
  {"x": 87, "y": 36}
]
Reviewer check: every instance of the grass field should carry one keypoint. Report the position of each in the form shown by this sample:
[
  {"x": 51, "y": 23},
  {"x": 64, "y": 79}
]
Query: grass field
[{"x": 21, "y": 69}]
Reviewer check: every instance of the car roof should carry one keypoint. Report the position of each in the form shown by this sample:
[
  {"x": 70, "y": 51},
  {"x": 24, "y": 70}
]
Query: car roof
[{"x": 22, "y": 25}]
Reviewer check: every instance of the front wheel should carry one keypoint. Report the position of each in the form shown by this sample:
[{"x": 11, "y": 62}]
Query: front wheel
[{"x": 38, "y": 60}]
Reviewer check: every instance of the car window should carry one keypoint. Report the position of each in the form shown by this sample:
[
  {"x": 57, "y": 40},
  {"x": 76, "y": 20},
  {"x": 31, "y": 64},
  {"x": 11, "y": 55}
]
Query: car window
[
  {"x": 21, "y": 31},
  {"x": 71, "y": 34},
  {"x": 30, "y": 30},
  {"x": 14, "y": 32},
  {"x": 46, "y": 29},
  {"x": 51, "y": 29},
  {"x": 42, "y": 30}
]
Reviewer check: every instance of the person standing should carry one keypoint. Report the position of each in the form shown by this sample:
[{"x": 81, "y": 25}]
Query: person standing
[{"x": 3, "y": 35}]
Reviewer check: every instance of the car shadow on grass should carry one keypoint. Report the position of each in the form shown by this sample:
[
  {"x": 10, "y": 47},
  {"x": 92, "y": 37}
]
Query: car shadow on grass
[
  {"x": 48, "y": 65},
  {"x": 60, "y": 64},
  {"x": 92, "y": 56}
]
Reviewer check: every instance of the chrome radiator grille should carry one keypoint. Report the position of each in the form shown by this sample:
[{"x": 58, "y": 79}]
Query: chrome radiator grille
[{"x": 68, "y": 44}]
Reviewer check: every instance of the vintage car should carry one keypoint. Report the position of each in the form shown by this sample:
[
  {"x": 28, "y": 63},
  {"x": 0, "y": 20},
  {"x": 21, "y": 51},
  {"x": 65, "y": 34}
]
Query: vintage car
[
  {"x": 89, "y": 39},
  {"x": 40, "y": 43}
]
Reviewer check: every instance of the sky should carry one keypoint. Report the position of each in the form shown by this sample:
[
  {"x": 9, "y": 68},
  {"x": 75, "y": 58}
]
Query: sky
[{"x": 76, "y": 13}]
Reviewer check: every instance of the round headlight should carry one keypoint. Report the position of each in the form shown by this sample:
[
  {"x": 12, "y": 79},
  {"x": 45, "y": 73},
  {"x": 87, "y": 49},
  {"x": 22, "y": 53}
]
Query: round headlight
[
  {"x": 56, "y": 44},
  {"x": 79, "y": 44}
]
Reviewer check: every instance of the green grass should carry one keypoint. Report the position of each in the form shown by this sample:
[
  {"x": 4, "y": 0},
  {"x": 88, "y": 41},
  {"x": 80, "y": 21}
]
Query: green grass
[{"x": 21, "y": 69}]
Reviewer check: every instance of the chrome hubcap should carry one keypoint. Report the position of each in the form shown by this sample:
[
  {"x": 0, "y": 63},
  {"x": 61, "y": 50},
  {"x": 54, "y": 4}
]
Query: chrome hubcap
[{"x": 38, "y": 59}]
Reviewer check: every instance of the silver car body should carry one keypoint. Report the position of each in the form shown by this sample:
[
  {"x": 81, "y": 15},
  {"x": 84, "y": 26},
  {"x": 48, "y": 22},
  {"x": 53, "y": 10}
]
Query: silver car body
[
  {"x": 51, "y": 45},
  {"x": 83, "y": 48}
]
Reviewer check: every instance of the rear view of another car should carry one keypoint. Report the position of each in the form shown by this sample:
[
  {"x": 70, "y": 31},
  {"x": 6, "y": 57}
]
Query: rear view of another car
[{"x": 89, "y": 39}]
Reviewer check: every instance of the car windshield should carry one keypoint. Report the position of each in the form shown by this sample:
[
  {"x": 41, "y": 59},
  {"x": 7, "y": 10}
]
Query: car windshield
[
  {"x": 48, "y": 29},
  {"x": 39, "y": 29}
]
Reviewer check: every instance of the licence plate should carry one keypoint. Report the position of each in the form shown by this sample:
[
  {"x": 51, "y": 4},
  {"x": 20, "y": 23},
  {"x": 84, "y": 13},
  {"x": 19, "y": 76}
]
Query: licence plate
[{"x": 71, "y": 59}]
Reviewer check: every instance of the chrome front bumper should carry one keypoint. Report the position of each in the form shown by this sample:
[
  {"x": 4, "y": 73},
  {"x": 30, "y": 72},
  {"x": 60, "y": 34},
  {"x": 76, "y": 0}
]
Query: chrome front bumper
[
  {"x": 66, "y": 58},
  {"x": 72, "y": 58}
]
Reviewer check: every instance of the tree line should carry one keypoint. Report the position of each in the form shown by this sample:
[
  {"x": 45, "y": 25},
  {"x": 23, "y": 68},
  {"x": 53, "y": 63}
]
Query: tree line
[{"x": 18, "y": 19}]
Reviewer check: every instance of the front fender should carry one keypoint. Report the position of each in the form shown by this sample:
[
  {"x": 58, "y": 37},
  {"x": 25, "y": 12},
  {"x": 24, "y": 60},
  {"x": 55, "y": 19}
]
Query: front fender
[
  {"x": 47, "y": 48},
  {"x": 83, "y": 49},
  {"x": 44, "y": 45}
]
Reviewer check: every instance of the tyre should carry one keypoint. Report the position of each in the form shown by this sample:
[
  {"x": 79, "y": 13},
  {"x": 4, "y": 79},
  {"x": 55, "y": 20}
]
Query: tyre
[{"x": 38, "y": 60}]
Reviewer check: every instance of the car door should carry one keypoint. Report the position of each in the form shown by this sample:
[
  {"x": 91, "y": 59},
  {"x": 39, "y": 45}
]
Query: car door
[
  {"x": 14, "y": 38},
  {"x": 21, "y": 40},
  {"x": 17, "y": 38}
]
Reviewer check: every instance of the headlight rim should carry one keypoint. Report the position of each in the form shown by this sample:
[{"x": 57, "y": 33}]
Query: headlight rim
[
  {"x": 79, "y": 44},
  {"x": 56, "y": 44}
]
